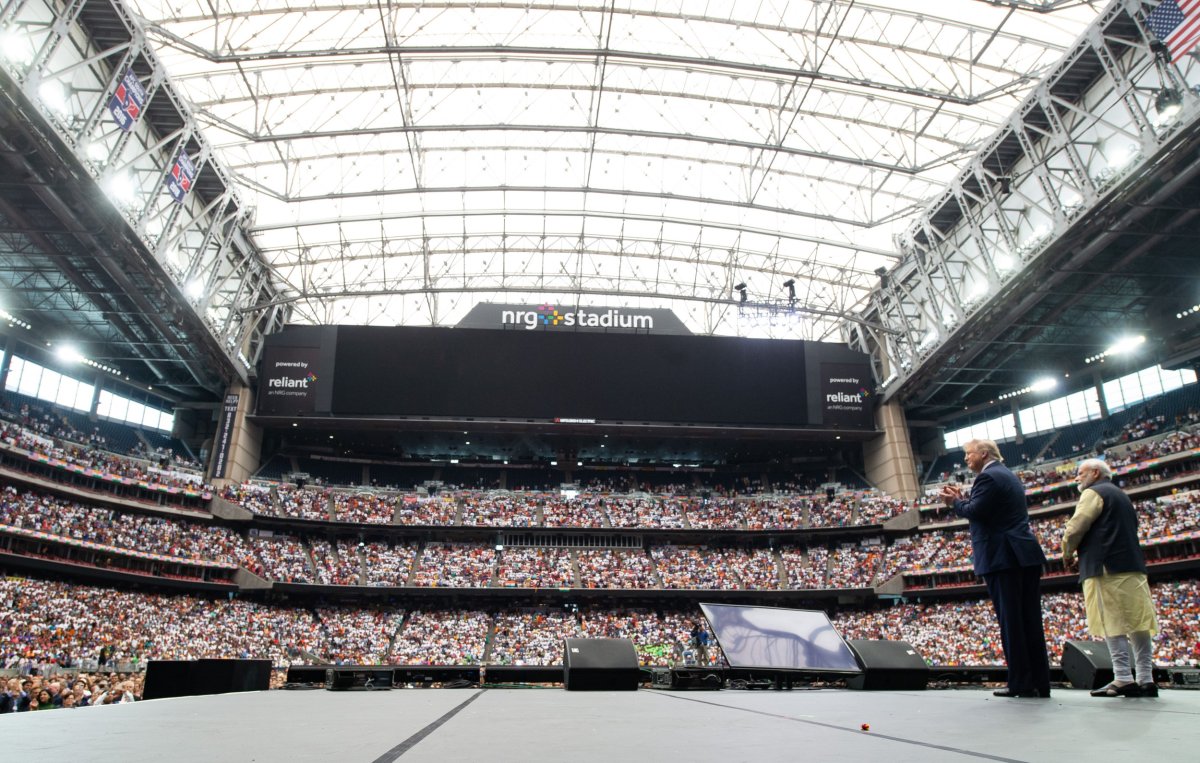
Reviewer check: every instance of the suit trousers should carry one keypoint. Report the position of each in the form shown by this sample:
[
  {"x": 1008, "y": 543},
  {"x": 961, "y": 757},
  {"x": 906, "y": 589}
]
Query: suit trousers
[{"x": 1016, "y": 595}]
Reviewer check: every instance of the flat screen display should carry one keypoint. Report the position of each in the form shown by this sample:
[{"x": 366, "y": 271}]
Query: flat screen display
[{"x": 781, "y": 639}]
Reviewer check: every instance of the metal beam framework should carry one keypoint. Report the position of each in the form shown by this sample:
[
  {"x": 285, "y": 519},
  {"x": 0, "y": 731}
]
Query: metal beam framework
[
  {"x": 1088, "y": 131},
  {"x": 190, "y": 256}
]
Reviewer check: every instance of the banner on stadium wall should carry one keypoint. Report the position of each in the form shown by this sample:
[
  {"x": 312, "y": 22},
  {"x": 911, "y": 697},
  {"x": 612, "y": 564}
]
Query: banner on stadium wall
[
  {"x": 846, "y": 397},
  {"x": 289, "y": 379},
  {"x": 225, "y": 426},
  {"x": 126, "y": 104},
  {"x": 568, "y": 318}
]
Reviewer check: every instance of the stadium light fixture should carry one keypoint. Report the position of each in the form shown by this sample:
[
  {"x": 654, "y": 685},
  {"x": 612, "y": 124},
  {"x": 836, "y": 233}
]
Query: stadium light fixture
[
  {"x": 122, "y": 189},
  {"x": 1122, "y": 346},
  {"x": 1178, "y": 316},
  {"x": 96, "y": 151},
  {"x": 55, "y": 97},
  {"x": 16, "y": 47},
  {"x": 194, "y": 289},
  {"x": 14, "y": 320},
  {"x": 1119, "y": 156},
  {"x": 741, "y": 290},
  {"x": 1045, "y": 384},
  {"x": 69, "y": 354},
  {"x": 1003, "y": 261},
  {"x": 1168, "y": 102}
]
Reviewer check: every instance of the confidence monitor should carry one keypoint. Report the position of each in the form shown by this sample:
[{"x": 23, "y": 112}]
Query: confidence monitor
[{"x": 774, "y": 638}]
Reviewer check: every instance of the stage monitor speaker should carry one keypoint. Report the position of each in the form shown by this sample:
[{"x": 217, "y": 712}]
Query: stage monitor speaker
[
  {"x": 168, "y": 678},
  {"x": 358, "y": 679},
  {"x": 888, "y": 666},
  {"x": 1088, "y": 664},
  {"x": 600, "y": 664},
  {"x": 306, "y": 674},
  {"x": 190, "y": 678}
]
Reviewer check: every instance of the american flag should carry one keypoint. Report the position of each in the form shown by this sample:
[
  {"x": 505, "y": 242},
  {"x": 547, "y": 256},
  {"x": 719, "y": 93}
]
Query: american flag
[{"x": 1177, "y": 24}]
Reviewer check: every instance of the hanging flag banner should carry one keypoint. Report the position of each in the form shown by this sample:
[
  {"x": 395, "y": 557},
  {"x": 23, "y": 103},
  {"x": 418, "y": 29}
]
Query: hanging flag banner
[
  {"x": 1176, "y": 23},
  {"x": 179, "y": 181},
  {"x": 127, "y": 101}
]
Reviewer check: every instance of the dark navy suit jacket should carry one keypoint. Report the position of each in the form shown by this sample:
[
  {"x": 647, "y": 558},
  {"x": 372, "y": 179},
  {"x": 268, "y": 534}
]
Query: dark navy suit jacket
[{"x": 999, "y": 519}]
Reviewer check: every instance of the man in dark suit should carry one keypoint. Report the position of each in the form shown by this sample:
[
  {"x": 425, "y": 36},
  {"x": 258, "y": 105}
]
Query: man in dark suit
[{"x": 1009, "y": 559}]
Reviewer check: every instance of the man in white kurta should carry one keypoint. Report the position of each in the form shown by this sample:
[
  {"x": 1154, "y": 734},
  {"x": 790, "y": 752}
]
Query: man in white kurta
[{"x": 1112, "y": 569}]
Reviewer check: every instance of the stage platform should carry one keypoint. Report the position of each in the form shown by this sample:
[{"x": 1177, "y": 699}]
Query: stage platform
[{"x": 523, "y": 724}]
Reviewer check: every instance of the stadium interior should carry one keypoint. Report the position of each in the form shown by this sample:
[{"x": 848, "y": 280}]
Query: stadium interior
[{"x": 422, "y": 337}]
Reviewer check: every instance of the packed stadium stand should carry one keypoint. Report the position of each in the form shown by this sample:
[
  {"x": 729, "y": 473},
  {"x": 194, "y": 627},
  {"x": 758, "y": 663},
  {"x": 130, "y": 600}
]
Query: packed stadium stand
[{"x": 430, "y": 344}]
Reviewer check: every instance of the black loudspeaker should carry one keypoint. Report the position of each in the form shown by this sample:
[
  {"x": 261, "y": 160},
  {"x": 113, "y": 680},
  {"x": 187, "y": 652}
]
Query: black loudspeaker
[
  {"x": 600, "y": 664},
  {"x": 189, "y": 678},
  {"x": 358, "y": 679},
  {"x": 888, "y": 666},
  {"x": 306, "y": 674},
  {"x": 168, "y": 678},
  {"x": 1088, "y": 664}
]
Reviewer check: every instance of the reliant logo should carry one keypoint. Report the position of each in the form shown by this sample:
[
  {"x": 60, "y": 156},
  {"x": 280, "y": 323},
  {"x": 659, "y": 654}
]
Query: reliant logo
[
  {"x": 549, "y": 316},
  {"x": 286, "y": 383},
  {"x": 842, "y": 397}
]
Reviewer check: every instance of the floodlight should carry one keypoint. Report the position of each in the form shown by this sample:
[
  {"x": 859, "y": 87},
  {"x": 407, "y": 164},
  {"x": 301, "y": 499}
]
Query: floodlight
[
  {"x": 55, "y": 97},
  {"x": 194, "y": 289},
  {"x": 1044, "y": 384},
  {"x": 16, "y": 47},
  {"x": 1126, "y": 345},
  {"x": 69, "y": 354},
  {"x": 1168, "y": 103}
]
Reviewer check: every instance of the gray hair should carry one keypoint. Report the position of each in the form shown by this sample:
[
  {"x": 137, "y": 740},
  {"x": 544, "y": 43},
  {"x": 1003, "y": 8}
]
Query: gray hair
[
  {"x": 988, "y": 447},
  {"x": 1098, "y": 464}
]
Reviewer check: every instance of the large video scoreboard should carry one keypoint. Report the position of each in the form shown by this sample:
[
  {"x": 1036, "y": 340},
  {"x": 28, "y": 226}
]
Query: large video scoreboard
[{"x": 369, "y": 371}]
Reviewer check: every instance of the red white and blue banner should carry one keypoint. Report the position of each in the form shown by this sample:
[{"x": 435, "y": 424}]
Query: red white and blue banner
[
  {"x": 126, "y": 103},
  {"x": 179, "y": 181}
]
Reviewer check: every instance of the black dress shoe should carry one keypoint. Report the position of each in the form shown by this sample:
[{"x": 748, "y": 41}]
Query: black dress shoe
[
  {"x": 1147, "y": 690},
  {"x": 1027, "y": 694},
  {"x": 1112, "y": 690}
]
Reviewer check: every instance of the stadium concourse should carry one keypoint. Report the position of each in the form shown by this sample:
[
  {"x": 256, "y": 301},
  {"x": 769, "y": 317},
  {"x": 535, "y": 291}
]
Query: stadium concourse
[{"x": 444, "y": 347}]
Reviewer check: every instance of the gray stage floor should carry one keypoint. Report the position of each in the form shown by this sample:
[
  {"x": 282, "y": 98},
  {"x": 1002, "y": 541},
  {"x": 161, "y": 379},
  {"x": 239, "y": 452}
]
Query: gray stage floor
[{"x": 553, "y": 724}]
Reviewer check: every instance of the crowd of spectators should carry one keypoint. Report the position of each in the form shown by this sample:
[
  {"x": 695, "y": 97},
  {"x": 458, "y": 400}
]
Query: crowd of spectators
[
  {"x": 532, "y": 638},
  {"x": 163, "y": 456},
  {"x": 300, "y": 503},
  {"x": 535, "y": 568},
  {"x": 651, "y": 513},
  {"x": 388, "y": 565},
  {"x": 688, "y": 567},
  {"x": 499, "y": 510},
  {"x": 336, "y": 565},
  {"x": 965, "y": 632},
  {"x": 251, "y": 496},
  {"x": 442, "y": 637},
  {"x": 806, "y": 568},
  {"x": 779, "y": 514},
  {"x": 582, "y": 511},
  {"x": 438, "y": 510},
  {"x": 757, "y": 568},
  {"x": 836, "y": 512},
  {"x": 49, "y": 627},
  {"x": 93, "y": 457},
  {"x": 49, "y": 514},
  {"x": 716, "y": 514},
  {"x": 616, "y": 568},
  {"x": 355, "y": 635},
  {"x": 455, "y": 565},
  {"x": 1169, "y": 516},
  {"x": 367, "y": 508},
  {"x": 282, "y": 558},
  {"x": 853, "y": 566}
]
